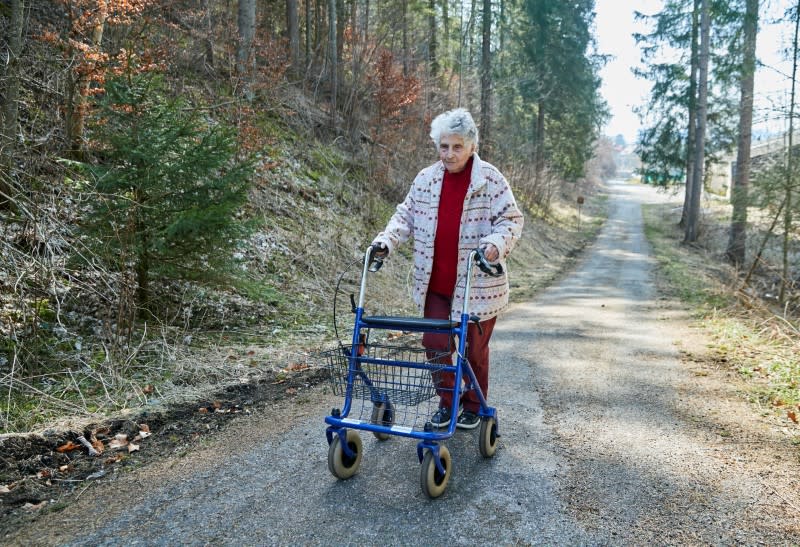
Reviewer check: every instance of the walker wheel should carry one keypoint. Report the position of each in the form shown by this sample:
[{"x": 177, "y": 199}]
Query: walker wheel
[
  {"x": 487, "y": 441},
  {"x": 382, "y": 414},
  {"x": 432, "y": 480},
  {"x": 340, "y": 464}
]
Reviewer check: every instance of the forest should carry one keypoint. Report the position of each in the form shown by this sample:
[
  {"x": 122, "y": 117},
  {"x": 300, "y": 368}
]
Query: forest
[{"x": 189, "y": 174}]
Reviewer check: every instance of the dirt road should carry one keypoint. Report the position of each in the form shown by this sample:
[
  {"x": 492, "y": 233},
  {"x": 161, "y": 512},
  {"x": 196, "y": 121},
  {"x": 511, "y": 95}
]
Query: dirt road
[{"x": 607, "y": 438}]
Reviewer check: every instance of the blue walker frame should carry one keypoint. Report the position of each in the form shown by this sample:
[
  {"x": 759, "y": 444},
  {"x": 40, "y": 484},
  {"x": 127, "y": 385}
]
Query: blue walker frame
[{"x": 339, "y": 422}]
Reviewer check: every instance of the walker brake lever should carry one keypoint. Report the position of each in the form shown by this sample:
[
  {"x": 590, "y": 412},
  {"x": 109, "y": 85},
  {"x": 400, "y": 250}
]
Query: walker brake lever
[{"x": 477, "y": 320}]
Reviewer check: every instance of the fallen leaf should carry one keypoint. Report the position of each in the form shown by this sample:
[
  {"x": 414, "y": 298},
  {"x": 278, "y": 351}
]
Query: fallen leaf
[
  {"x": 297, "y": 366},
  {"x": 148, "y": 389},
  {"x": 68, "y": 447},
  {"x": 216, "y": 405},
  {"x": 132, "y": 447},
  {"x": 143, "y": 434},
  {"x": 144, "y": 428},
  {"x": 44, "y": 474},
  {"x": 202, "y": 410},
  {"x": 113, "y": 459},
  {"x": 291, "y": 391},
  {"x": 34, "y": 506},
  {"x": 4, "y": 489},
  {"x": 120, "y": 441},
  {"x": 64, "y": 468},
  {"x": 792, "y": 415},
  {"x": 98, "y": 445}
]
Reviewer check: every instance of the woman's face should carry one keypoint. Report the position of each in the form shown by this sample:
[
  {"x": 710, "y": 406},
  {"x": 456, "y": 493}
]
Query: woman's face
[{"x": 454, "y": 153}]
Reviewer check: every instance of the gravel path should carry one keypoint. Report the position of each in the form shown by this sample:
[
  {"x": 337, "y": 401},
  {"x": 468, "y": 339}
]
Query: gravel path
[{"x": 608, "y": 438}]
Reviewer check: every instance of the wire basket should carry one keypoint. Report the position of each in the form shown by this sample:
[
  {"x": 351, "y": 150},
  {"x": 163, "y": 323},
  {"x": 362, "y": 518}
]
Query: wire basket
[{"x": 400, "y": 375}]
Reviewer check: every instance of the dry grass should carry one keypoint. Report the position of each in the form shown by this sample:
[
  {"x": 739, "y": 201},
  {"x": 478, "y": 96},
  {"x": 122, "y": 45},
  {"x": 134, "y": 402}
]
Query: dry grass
[{"x": 749, "y": 333}]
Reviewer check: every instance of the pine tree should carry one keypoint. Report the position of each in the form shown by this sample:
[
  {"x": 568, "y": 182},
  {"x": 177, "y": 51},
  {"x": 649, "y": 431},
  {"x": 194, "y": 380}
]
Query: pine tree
[{"x": 167, "y": 187}]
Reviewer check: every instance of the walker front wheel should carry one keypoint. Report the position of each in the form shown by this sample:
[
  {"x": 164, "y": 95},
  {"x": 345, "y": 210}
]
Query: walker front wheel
[
  {"x": 340, "y": 464},
  {"x": 432, "y": 480},
  {"x": 487, "y": 441}
]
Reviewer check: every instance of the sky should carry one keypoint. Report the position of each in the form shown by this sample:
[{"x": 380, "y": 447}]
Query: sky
[{"x": 623, "y": 91}]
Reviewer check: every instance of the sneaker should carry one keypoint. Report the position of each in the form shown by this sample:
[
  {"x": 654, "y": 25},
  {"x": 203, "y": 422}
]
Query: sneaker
[
  {"x": 441, "y": 418},
  {"x": 468, "y": 420}
]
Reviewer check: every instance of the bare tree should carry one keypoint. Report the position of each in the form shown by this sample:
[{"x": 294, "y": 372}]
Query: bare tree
[
  {"x": 293, "y": 30},
  {"x": 787, "y": 211},
  {"x": 333, "y": 58},
  {"x": 247, "y": 32},
  {"x": 739, "y": 193},
  {"x": 486, "y": 79},
  {"x": 693, "y": 217},
  {"x": 10, "y": 108},
  {"x": 78, "y": 87}
]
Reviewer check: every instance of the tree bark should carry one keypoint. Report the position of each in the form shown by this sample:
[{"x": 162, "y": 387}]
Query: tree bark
[
  {"x": 333, "y": 57},
  {"x": 787, "y": 212},
  {"x": 693, "y": 218},
  {"x": 247, "y": 31},
  {"x": 432, "y": 44},
  {"x": 486, "y": 80},
  {"x": 692, "y": 126},
  {"x": 10, "y": 109},
  {"x": 737, "y": 242},
  {"x": 404, "y": 29},
  {"x": 77, "y": 94},
  {"x": 293, "y": 30},
  {"x": 538, "y": 160},
  {"x": 308, "y": 33}
]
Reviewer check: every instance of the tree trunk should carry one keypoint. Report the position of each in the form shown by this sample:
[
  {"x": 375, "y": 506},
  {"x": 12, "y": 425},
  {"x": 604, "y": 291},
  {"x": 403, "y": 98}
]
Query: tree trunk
[
  {"x": 432, "y": 44},
  {"x": 486, "y": 80},
  {"x": 737, "y": 242},
  {"x": 77, "y": 94},
  {"x": 538, "y": 161},
  {"x": 787, "y": 212},
  {"x": 404, "y": 30},
  {"x": 247, "y": 31},
  {"x": 293, "y": 30},
  {"x": 308, "y": 33},
  {"x": 692, "y": 128},
  {"x": 10, "y": 110},
  {"x": 332, "y": 57},
  {"x": 693, "y": 218}
]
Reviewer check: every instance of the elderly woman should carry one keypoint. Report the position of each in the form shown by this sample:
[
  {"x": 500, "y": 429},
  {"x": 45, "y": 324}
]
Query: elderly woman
[{"x": 457, "y": 204}]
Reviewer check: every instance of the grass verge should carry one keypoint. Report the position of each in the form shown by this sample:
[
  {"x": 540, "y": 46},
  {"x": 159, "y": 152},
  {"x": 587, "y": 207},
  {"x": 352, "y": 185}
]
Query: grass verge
[{"x": 763, "y": 347}]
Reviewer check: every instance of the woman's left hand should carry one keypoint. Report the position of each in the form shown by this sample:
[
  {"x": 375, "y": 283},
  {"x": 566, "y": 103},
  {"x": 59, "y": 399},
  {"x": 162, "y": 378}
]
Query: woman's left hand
[{"x": 490, "y": 252}]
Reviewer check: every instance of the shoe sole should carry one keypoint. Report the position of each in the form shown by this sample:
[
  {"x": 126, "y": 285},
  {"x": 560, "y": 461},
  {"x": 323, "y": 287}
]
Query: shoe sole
[{"x": 459, "y": 425}]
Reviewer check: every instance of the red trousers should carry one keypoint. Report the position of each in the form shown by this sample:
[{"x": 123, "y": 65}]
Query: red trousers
[{"x": 438, "y": 307}]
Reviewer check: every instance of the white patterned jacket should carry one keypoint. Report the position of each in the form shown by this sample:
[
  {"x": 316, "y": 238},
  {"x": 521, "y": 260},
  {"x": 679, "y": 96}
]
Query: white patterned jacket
[{"x": 490, "y": 215}]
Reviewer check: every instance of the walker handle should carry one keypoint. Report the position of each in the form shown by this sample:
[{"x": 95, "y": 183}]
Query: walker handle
[
  {"x": 494, "y": 270},
  {"x": 377, "y": 252}
]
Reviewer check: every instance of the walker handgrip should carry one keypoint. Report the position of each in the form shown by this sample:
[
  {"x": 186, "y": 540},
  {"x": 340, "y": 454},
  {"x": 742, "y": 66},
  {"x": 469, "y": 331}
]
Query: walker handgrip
[
  {"x": 376, "y": 260},
  {"x": 494, "y": 270}
]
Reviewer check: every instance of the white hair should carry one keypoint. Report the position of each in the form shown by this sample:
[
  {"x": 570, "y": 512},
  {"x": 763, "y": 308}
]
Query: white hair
[{"x": 455, "y": 122}]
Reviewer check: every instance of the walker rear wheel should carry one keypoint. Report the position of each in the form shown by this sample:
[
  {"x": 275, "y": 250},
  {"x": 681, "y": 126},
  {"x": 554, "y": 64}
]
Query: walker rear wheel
[
  {"x": 432, "y": 480},
  {"x": 340, "y": 464},
  {"x": 487, "y": 441},
  {"x": 382, "y": 414}
]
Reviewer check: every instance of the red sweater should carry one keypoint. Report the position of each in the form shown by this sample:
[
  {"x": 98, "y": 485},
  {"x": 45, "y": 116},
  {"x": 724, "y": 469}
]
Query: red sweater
[{"x": 448, "y": 231}]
